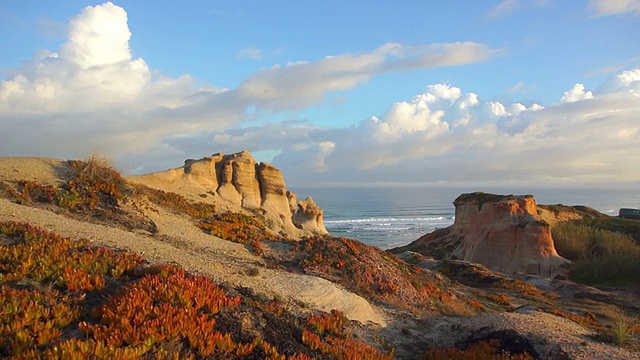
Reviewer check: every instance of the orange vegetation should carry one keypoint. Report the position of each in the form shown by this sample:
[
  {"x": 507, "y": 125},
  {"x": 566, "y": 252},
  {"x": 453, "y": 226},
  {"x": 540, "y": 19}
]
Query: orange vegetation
[
  {"x": 378, "y": 275},
  {"x": 61, "y": 299}
]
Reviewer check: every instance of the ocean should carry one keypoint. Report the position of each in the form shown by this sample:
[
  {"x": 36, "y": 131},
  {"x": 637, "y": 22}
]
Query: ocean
[{"x": 391, "y": 217}]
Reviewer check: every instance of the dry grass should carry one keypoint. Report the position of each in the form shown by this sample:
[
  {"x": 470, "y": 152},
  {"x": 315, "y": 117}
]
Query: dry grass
[
  {"x": 600, "y": 256},
  {"x": 623, "y": 327}
]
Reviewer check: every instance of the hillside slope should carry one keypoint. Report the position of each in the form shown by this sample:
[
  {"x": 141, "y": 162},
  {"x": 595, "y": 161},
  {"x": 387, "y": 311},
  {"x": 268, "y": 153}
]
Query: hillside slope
[{"x": 395, "y": 304}]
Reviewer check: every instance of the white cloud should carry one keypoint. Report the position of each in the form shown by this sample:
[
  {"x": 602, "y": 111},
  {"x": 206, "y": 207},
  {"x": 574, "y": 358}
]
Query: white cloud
[
  {"x": 303, "y": 83},
  {"x": 626, "y": 81},
  {"x": 253, "y": 53},
  {"x": 250, "y": 52},
  {"x": 506, "y": 7},
  {"x": 98, "y": 37},
  {"x": 92, "y": 94},
  {"x": 576, "y": 93},
  {"x": 432, "y": 138},
  {"x": 614, "y": 7}
]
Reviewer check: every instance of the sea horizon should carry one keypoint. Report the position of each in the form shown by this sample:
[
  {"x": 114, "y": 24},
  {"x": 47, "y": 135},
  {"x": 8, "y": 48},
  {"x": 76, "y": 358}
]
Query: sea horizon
[{"x": 388, "y": 217}]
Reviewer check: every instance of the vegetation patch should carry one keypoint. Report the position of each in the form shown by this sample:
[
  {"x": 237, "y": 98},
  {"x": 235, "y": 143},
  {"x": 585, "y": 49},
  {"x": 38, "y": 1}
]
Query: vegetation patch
[
  {"x": 583, "y": 211},
  {"x": 81, "y": 302},
  {"x": 478, "y": 276},
  {"x": 378, "y": 275},
  {"x": 485, "y": 350},
  {"x": 623, "y": 327},
  {"x": 600, "y": 256},
  {"x": 176, "y": 203},
  {"x": 240, "y": 228},
  {"x": 94, "y": 191},
  {"x": 588, "y": 320}
]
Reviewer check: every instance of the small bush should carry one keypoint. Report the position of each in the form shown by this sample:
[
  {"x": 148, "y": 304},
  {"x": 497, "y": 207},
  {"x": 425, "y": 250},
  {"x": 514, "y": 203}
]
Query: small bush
[
  {"x": 94, "y": 185},
  {"x": 93, "y": 191},
  {"x": 572, "y": 240},
  {"x": 239, "y": 228}
]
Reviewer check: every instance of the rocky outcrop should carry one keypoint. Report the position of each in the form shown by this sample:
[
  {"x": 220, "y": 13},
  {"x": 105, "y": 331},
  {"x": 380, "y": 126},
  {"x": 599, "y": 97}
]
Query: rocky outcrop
[
  {"x": 237, "y": 181},
  {"x": 309, "y": 216},
  {"x": 504, "y": 233}
]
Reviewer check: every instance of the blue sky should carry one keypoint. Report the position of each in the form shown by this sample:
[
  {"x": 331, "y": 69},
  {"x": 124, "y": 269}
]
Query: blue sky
[{"x": 507, "y": 91}]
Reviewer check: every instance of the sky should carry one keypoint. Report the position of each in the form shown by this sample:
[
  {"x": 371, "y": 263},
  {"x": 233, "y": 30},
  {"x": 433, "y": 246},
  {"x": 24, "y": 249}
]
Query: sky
[{"x": 379, "y": 93}]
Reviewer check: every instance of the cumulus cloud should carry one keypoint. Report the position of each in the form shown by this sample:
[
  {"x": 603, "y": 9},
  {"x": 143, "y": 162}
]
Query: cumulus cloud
[
  {"x": 608, "y": 7},
  {"x": 451, "y": 136},
  {"x": 92, "y": 94},
  {"x": 628, "y": 81},
  {"x": 576, "y": 93}
]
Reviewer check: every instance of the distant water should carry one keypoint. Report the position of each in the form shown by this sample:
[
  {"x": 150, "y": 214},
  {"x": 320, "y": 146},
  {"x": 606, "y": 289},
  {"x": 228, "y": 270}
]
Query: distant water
[{"x": 390, "y": 217}]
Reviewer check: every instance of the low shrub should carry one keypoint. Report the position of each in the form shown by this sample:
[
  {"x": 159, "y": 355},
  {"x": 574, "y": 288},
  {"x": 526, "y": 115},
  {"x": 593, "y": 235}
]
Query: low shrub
[
  {"x": 588, "y": 320},
  {"x": 600, "y": 256},
  {"x": 239, "y": 228},
  {"x": 378, "y": 275},
  {"x": 484, "y": 350},
  {"x": 94, "y": 190}
]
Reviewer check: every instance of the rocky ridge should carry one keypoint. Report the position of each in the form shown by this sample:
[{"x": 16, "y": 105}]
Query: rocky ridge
[{"x": 237, "y": 182}]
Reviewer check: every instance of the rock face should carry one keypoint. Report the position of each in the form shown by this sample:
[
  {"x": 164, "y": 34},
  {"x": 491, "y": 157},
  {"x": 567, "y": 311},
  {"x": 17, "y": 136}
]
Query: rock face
[
  {"x": 238, "y": 181},
  {"x": 504, "y": 233}
]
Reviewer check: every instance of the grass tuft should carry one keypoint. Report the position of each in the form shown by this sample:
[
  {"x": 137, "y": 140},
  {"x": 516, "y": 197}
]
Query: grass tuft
[{"x": 623, "y": 327}]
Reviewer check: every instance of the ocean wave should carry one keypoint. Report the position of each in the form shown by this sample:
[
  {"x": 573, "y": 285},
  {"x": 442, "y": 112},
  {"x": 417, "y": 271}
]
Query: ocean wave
[{"x": 389, "y": 220}]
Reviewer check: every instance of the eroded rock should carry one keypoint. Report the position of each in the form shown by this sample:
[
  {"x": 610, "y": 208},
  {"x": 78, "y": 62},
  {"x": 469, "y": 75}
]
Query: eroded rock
[
  {"x": 237, "y": 181},
  {"x": 504, "y": 233},
  {"x": 309, "y": 216}
]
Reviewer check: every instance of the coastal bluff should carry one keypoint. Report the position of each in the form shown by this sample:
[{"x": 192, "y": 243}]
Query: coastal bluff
[
  {"x": 237, "y": 182},
  {"x": 503, "y": 232}
]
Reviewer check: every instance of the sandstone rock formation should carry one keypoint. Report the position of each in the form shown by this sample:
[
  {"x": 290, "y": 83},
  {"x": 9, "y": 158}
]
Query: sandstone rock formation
[
  {"x": 309, "y": 216},
  {"x": 237, "y": 182},
  {"x": 504, "y": 233}
]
